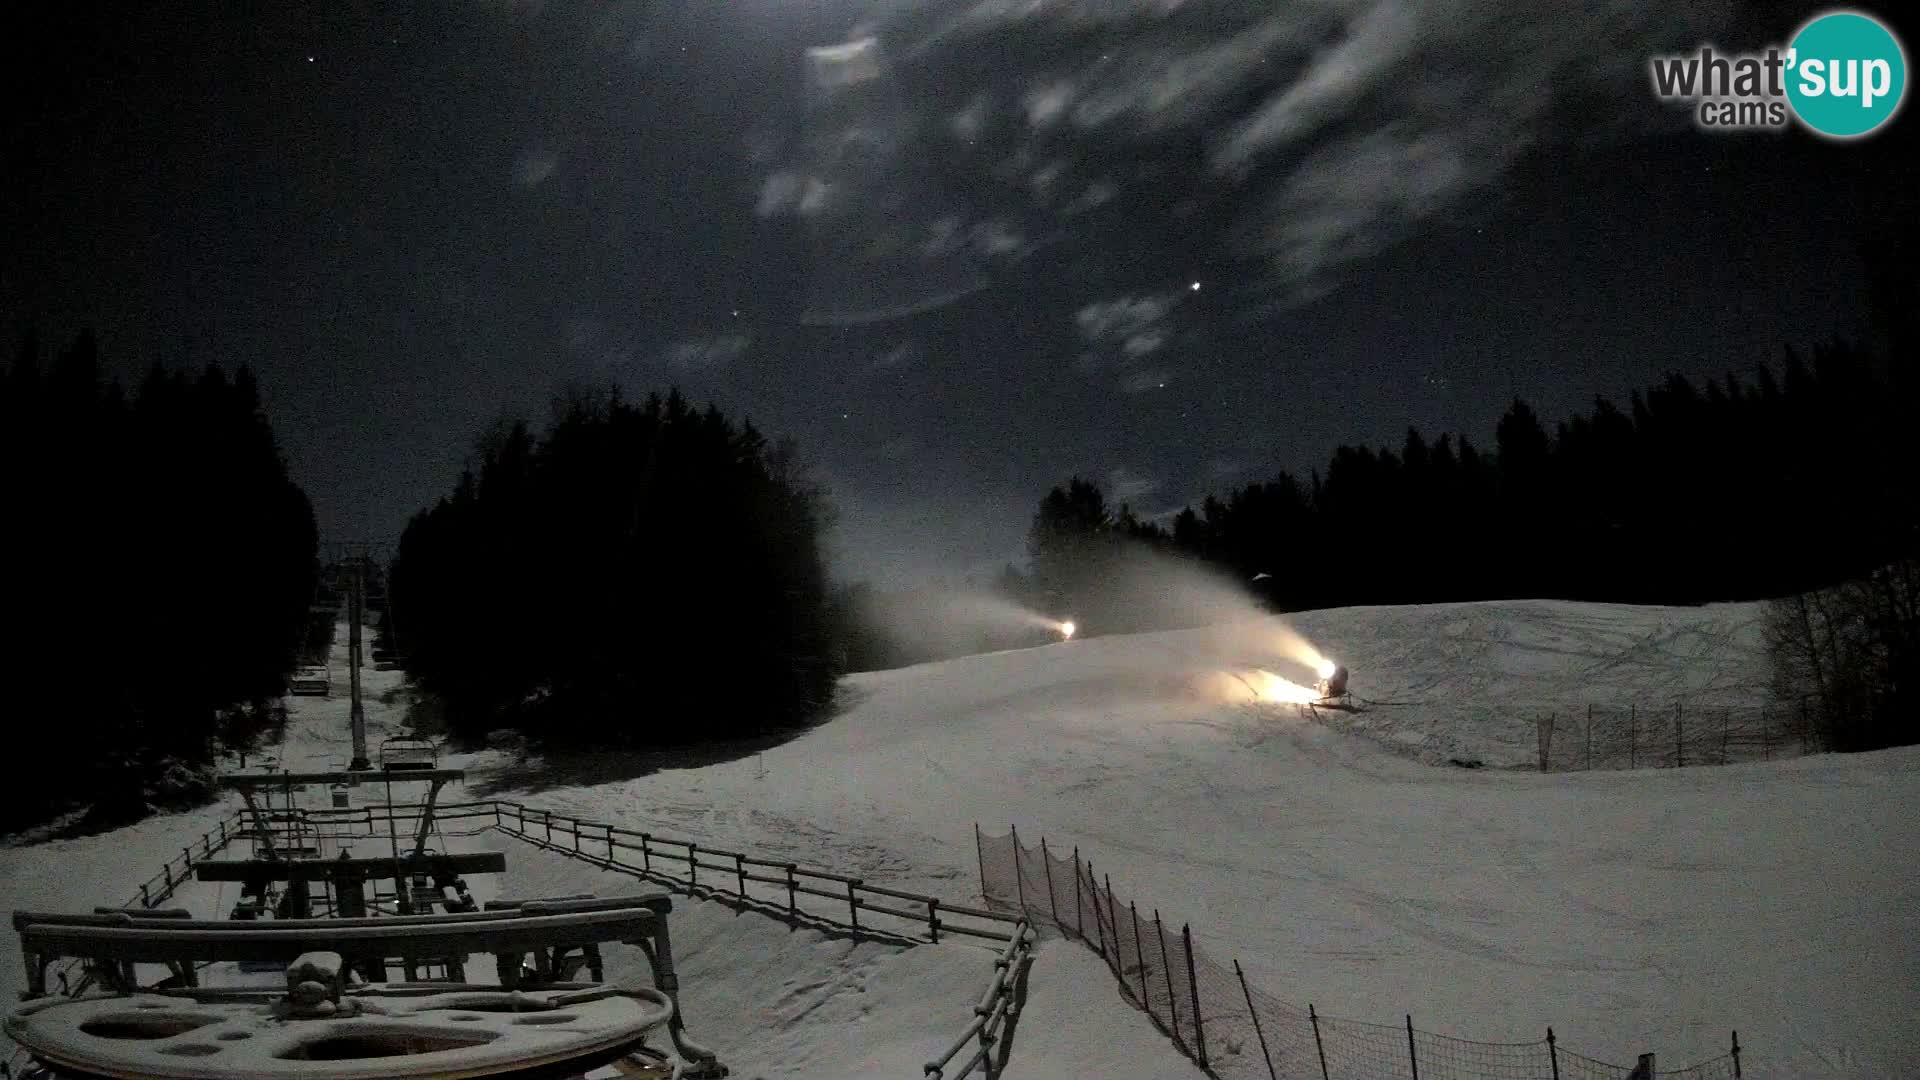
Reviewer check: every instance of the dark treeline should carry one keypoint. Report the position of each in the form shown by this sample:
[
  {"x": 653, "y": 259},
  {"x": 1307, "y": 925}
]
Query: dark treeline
[
  {"x": 641, "y": 574},
  {"x": 1724, "y": 490},
  {"x": 163, "y": 564}
]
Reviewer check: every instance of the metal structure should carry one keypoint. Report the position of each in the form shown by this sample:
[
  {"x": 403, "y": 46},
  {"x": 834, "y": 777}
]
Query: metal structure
[{"x": 538, "y": 1020}]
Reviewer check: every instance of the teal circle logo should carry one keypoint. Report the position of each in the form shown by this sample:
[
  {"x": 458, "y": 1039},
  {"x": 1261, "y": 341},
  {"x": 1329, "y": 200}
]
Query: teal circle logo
[{"x": 1846, "y": 74}]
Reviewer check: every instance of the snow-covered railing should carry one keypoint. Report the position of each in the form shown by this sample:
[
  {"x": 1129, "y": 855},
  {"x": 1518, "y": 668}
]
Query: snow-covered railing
[
  {"x": 1239, "y": 1033},
  {"x": 719, "y": 872},
  {"x": 995, "y": 1015},
  {"x": 156, "y": 890}
]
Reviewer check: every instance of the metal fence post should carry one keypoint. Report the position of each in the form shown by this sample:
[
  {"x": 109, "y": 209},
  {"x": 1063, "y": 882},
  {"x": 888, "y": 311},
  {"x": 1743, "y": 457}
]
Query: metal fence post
[
  {"x": 1319, "y": 1047},
  {"x": 1019, "y": 884},
  {"x": 980, "y": 853},
  {"x": 1113, "y": 918},
  {"x": 1412, "y": 1055},
  {"x": 1140, "y": 957},
  {"x": 1079, "y": 924},
  {"x": 1099, "y": 930},
  {"x": 740, "y": 869},
  {"x": 1166, "y": 968},
  {"x": 547, "y": 816},
  {"x": 576, "y": 835},
  {"x": 853, "y": 904},
  {"x": 144, "y": 901},
  {"x": 646, "y": 853},
  {"x": 1193, "y": 986},
  {"x": 1046, "y": 865},
  {"x": 610, "y": 856},
  {"x": 933, "y": 919},
  {"x": 1257, "y": 1030},
  {"x": 793, "y": 895},
  {"x": 1553, "y": 1054},
  {"x": 1736, "y": 1055},
  {"x": 693, "y": 865}
]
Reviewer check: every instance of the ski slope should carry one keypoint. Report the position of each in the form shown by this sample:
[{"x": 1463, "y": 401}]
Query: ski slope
[{"x": 1632, "y": 911}]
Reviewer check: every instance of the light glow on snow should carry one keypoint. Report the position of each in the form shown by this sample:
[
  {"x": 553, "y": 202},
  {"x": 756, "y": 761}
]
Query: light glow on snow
[{"x": 1272, "y": 687}]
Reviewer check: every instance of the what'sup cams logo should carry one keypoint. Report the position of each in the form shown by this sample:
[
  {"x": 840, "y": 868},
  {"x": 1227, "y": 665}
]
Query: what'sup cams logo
[{"x": 1843, "y": 76}]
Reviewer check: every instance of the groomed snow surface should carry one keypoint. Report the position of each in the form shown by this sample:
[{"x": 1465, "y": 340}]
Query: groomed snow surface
[{"x": 1632, "y": 911}]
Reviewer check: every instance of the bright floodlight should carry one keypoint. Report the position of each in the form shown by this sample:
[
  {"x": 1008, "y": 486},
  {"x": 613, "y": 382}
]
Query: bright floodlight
[
  {"x": 1066, "y": 630},
  {"x": 1325, "y": 667}
]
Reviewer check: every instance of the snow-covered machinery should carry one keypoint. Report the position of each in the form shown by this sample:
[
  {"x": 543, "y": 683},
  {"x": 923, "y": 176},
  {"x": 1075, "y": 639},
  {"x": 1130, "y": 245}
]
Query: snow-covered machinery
[{"x": 324, "y": 1021}]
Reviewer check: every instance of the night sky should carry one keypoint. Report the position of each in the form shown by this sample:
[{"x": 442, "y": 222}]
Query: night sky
[{"x": 951, "y": 247}]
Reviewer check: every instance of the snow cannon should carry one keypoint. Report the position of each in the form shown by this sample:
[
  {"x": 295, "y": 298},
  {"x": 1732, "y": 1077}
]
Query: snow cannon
[{"x": 1336, "y": 684}]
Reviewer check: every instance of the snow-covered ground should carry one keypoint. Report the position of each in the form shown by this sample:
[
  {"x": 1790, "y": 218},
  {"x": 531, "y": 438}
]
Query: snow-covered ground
[{"x": 1632, "y": 911}]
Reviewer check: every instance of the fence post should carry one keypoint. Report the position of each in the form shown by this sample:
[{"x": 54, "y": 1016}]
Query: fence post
[
  {"x": 1019, "y": 885},
  {"x": 1046, "y": 864},
  {"x": 980, "y": 853},
  {"x": 1679, "y": 746},
  {"x": 1079, "y": 924},
  {"x": 693, "y": 865},
  {"x": 1140, "y": 957},
  {"x": 547, "y": 816},
  {"x": 933, "y": 919},
  {"x": 1633, "y": 735},
  {"x": 144, "y": 902},
  {"x": 576, "y": 835},
  {"x": 1255, "y": 1014},
  {"x": 1099, "y": 931},
  {"x": 1553, "y": 1054},
  {"x": 646, "y": 853},
  {"x": 186, "y": 859},
  {"x": 1166, "y": 967},
  {"x": 1113, "y": 916},
  {"x": 793, "y": 896},
  {"x": 223, "y": 832},
  {"x": 1736, "y": 1055},
  {"x": 610, "y": 857},
  {"x": 1412, "y": 1055},
  {"x": 853, "y": 903},
  {"x": 1318, "y": 1047},
  {"x": 1193, "y": 985}
]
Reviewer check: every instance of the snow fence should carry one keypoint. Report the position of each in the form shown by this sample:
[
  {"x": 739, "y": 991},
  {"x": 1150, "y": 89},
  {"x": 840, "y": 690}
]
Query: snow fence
[
  {"x": 1233, "y": 1030},
  {"x": 1677, "y": 736}
]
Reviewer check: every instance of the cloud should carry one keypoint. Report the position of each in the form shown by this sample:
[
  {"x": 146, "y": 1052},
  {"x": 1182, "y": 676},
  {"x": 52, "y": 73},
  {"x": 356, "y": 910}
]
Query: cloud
[
  {"x": 1112, "y": 322},
  {"x": 534, "y": 166},
  {"x": 792, "y": 193},
  {"x": 1126, "y": 485},
  {"x": 705, "y": 354},
  {"x": 1335, "y": 127}
]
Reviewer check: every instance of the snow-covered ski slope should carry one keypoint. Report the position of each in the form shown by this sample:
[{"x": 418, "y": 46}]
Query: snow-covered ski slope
[{"x": 1632, "y": 911}]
